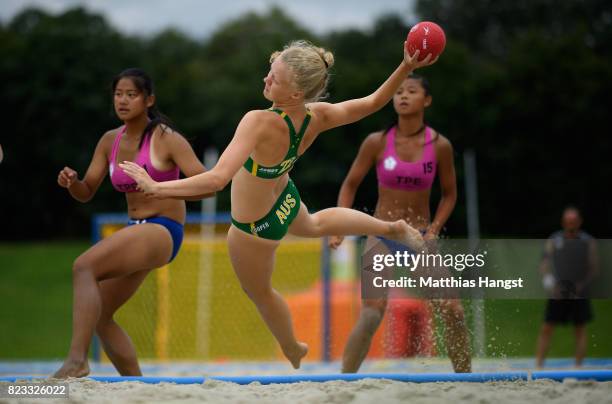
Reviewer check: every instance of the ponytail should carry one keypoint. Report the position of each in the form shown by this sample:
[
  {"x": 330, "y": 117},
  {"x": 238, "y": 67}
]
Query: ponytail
[{"x": 156, "y": 119}]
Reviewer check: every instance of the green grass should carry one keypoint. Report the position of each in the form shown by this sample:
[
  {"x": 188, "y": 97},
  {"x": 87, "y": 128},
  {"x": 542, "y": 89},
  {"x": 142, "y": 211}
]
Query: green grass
[
  {"x": 36, "y": 293},
  {"x": 36, "y": 290},
  {"x": 512, "y": 327}
]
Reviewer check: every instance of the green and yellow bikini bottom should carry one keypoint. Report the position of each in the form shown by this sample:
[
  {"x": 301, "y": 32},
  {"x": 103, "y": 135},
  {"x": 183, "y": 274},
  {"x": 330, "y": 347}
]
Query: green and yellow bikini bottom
[{"x": 275, "y": 224}]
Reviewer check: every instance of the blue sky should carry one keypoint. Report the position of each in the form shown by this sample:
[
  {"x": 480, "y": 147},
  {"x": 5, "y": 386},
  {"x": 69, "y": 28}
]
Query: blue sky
[{"x": 199, "y": 18}]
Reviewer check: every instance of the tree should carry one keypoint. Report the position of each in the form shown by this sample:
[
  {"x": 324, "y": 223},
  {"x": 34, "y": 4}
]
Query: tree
[
  {"x": 539, "y": 78},
  {"x": 56, "y": 74},
  {"x": 526, "y": 84}
]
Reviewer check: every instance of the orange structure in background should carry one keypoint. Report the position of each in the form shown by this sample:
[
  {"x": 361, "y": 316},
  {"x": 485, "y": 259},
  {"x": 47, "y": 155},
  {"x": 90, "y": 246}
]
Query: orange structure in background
[
  {"x": 409, "y": 329},
  {"x": 406, "y": 329}
]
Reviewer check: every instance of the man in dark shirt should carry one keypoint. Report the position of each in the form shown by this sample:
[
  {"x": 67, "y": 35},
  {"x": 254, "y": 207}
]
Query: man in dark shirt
[{"x": 568, "y": 266}]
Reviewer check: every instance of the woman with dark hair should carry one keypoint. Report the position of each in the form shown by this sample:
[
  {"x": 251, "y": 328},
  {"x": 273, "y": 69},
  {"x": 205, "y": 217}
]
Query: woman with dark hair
[
  {"x": 107, "y": 274},
  {"x": 407, "y": 157}
]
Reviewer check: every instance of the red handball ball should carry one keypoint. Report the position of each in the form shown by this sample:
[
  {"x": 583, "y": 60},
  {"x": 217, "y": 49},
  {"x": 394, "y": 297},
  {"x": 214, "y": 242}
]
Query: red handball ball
[{"x": 427, "y": 37}]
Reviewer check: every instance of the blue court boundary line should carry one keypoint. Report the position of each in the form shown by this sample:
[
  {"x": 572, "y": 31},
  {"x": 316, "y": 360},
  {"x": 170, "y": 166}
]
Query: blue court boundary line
[{"x": 596, "y": 375}]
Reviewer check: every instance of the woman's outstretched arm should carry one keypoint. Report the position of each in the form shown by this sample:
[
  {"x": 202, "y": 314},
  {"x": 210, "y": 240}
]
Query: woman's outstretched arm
[{"x": 233, "y": 157}]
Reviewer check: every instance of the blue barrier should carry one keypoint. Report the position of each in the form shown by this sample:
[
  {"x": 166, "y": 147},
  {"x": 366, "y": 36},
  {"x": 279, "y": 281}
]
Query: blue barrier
[{"x": 596, "y": 375}]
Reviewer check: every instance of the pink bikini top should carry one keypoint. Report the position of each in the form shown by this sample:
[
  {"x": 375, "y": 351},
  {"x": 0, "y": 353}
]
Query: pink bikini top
[
  {"x": 121, "y": 181},
  {"x": 394, "y": 173}
]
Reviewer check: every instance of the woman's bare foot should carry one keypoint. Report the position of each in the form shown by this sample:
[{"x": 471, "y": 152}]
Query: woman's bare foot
[
  {"x": 72, "y": 368},
  {"x": 296, "y": 354},
  {"x": 407, "y": 235}
]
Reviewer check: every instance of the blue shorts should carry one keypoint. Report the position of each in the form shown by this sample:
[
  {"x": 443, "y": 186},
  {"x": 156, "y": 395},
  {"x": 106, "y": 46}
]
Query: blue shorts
[
  {"x": 396, "y": 246},
  {"x": 174, "y": 227}
]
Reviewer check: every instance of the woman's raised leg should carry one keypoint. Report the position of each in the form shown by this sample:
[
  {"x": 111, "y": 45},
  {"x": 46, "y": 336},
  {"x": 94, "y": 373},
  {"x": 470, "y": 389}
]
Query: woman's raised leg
[{"x": 344, "y": 221}]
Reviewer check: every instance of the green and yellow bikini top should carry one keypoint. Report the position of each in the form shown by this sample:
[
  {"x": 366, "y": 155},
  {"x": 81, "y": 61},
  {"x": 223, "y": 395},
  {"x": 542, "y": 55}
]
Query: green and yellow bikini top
[{"x": 292, "y": 154}]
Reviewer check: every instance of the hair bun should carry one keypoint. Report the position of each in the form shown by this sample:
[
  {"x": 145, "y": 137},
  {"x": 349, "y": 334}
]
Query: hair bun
[{"x": 328, "y": 57}]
